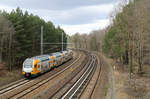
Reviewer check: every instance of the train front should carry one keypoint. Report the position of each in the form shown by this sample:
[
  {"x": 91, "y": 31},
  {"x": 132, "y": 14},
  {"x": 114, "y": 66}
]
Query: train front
[{"x": 27, "y": 68}]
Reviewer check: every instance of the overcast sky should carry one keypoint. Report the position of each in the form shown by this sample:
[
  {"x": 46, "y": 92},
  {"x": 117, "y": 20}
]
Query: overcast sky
[{"x": 73, "y": 16}]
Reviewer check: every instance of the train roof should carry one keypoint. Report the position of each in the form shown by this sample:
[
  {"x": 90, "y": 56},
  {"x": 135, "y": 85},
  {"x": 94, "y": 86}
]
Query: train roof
[
  {"x": 41, "y": 58},
  {"x": 56, "y": 53},
  {"x": 47, "y": 56},
  {"x": 36, "y": 57}
]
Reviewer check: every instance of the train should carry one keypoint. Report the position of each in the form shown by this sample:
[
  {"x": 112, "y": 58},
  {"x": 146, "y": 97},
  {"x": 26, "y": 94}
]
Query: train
[{"x": 37, "y": 65}]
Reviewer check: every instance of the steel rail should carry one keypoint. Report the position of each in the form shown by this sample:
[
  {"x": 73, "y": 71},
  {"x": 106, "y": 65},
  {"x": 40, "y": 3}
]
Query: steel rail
[
  {"x": 84, "y": 77},
  {"x": 84, "y": 69}
]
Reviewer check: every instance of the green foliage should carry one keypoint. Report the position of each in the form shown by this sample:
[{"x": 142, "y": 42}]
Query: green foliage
[
  {"x": 116, "y": 40},
  {"x": 27, "y": 35},
  {"x": 111, "y": 44}
]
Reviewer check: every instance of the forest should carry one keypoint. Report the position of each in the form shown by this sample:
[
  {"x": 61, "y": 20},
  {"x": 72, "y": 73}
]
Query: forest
[
  {"x": 20, "y": 35},
  {"x": 126, "y": 39}
]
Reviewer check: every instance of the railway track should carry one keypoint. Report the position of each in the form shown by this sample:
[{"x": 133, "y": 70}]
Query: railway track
[
  {"x": 89, "y": 91},
  {"x": 13, "y": 89},
  {"x": 13, "y": 85},
  {"x": 78, "y": 87}
]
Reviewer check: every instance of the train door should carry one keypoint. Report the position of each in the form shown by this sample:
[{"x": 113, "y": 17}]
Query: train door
[
  {"x": 55, "y": 61},
  {"x": 35, "y": 68},
  {"x": 46, "y": 65},
  {"x": 43, "y": 66},
  {"x": 50, "y": 63},
  {"x": 63, "y": 57},
  {"x": 58, "y": 59},
  {"x": 39, "y": 67},
  {"x": 52, "y": 58}
]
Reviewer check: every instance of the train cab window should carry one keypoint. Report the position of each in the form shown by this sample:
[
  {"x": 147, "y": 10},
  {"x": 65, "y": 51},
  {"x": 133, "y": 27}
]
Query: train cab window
[{"x": 28, "y": 63}]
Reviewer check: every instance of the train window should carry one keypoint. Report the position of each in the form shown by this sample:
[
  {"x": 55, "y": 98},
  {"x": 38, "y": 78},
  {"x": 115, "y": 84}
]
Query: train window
[
  {"x": 35, "y": 66},
  {"x": 28, "y": 64}
]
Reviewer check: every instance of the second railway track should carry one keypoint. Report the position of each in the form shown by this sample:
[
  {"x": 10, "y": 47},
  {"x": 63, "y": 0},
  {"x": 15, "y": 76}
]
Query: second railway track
[{"x": 77, "y": 88}]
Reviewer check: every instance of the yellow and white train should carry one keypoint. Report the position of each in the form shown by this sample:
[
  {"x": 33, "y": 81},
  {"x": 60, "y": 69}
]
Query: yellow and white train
[{"x": 39, "y": 64}]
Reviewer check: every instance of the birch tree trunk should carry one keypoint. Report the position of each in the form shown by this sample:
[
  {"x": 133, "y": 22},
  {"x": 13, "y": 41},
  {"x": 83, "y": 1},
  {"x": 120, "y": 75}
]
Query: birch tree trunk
[
  {"x": 1, "y": 50},
  {"x": 9, "y": 55}
]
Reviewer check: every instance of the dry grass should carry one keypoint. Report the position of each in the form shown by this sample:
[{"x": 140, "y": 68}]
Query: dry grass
[
  {"x": 7, "y": 77},
  {"x": 119, "y": 85},
  {"x": 138, "y": 87}
]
